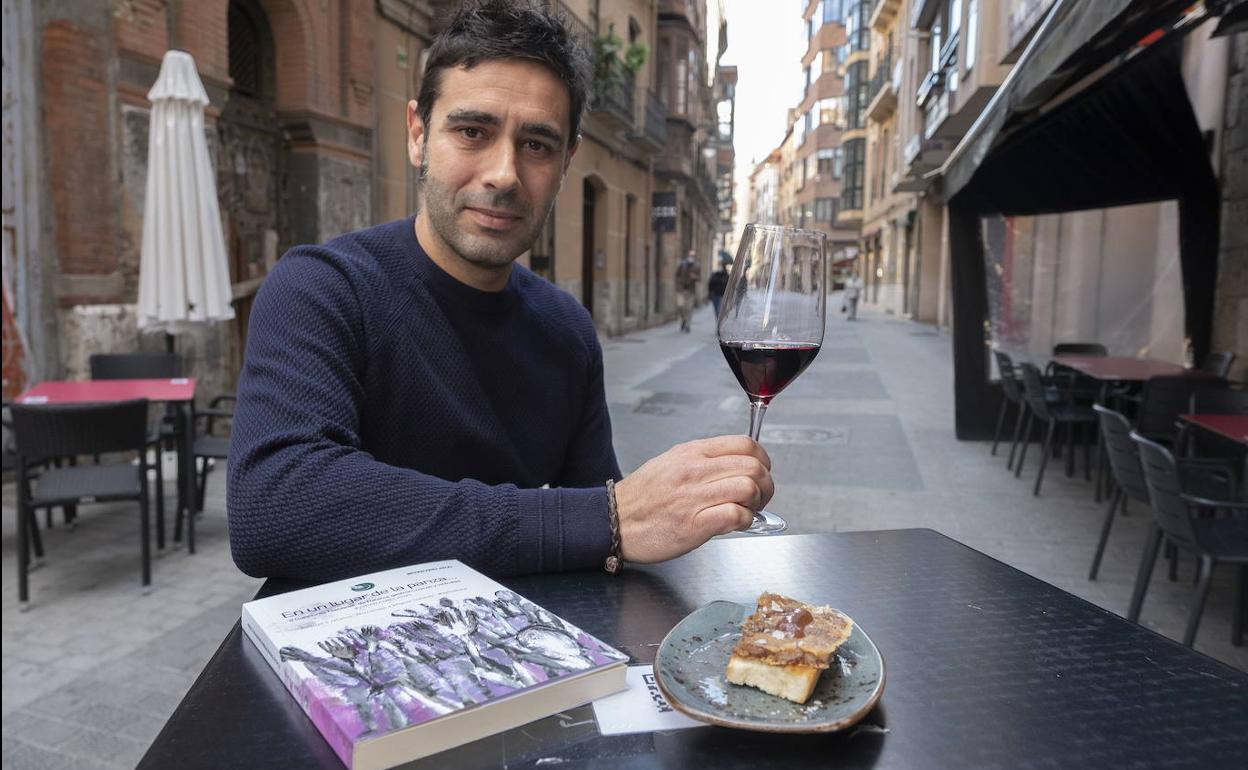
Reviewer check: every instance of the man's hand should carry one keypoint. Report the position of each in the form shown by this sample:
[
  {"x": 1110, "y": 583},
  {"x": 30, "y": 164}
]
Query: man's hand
[{"x": 690, "y": 493}]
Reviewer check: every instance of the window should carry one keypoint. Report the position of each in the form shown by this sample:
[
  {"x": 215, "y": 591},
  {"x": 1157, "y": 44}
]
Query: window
[
  {"x": 857, "y": 88},
  {"x": 824, "y": 158},
  {"x": 829, "y": 111},
  {"x": 832, "y": 10},
  {"x": 806, "y": 89},
  {"x": 972, "y": 31},
  {"x": 825, "y": 209},
  {"x": 680, "y": 106},
  {"x": 851, "y": 192}
]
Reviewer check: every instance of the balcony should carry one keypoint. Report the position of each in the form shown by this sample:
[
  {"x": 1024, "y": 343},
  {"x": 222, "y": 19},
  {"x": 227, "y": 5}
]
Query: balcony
[
  {"x": 654, "y": 128},
  {"x": 613, "y": 94},
  {"x": 883, "y": 100},
  {"x": 884, "y": 13}
]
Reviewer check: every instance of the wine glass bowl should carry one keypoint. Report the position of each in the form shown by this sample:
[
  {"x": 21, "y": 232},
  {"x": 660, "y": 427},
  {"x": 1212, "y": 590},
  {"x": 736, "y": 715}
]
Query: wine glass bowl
[{"x": 771, "y": 321}]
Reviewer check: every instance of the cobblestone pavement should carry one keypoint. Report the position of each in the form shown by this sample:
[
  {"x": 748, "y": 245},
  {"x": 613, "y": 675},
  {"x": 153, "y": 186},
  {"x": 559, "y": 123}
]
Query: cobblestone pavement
[{"x": 862, "y": 440}]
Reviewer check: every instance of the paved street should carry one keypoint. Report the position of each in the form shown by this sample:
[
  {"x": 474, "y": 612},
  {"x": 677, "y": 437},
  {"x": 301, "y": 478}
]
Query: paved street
[{"x": 862, "y": 440}]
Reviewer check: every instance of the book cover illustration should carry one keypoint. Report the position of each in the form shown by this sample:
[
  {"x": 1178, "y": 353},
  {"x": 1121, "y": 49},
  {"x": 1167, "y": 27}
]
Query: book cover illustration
[{"x": 433, "y": 657}]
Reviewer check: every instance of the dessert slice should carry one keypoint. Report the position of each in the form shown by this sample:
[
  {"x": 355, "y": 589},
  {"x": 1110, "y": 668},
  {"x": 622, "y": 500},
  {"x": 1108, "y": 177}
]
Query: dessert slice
[{"x": 785, "y": 645}]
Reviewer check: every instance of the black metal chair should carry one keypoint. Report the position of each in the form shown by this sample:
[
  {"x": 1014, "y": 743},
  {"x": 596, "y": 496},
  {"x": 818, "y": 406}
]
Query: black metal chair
[
  {"x": 1164, "y": 399},
  {"x": 1011, "y": 394},
  {"x": 65, "y": 430},
  {"x": 1213, "y": 540},
  {"x": 1125, "y": 470},
  {"x": 1080, "y": 349},
  {"x": 1064, "y": 412},
  {"x": 1218, "y": 364},
  {"x": 147, "y": 366},
  {"x": 208, "y": 445}
]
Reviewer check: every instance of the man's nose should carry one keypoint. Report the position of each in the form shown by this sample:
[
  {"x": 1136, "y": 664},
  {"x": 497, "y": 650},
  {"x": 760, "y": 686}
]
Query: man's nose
[{"x": 500, "y": 171}]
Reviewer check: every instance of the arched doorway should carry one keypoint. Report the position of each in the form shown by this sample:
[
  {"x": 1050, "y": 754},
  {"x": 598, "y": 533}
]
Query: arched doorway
[{"x": 251, "y": 162}]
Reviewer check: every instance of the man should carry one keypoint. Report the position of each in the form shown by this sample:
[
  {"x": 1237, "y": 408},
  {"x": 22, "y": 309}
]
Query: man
[
  {"x": 718, "y": 282},
  {"x": 409, "y": 394},
  {"x": 853, "y": 288},
  {"x": 687, "y": 276}
]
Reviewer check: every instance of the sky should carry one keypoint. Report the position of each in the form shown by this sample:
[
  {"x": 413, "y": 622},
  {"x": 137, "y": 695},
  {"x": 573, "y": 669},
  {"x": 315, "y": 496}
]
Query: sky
[{"x": 765, "y": 42}]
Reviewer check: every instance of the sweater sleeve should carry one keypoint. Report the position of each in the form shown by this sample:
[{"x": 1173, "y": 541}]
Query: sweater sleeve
[{"x": 306, "y": 501}]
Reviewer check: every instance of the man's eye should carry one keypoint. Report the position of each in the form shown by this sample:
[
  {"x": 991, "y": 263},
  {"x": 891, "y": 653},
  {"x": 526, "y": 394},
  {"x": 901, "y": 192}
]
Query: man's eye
[
  {"x": 537, "y": 147},
  {"x": 470, "y": 132}
]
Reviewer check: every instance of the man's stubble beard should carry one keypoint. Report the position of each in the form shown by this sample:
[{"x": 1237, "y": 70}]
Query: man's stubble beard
[{"x": 477, "y": 250}]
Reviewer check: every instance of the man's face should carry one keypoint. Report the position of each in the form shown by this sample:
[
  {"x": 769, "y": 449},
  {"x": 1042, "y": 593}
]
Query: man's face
[{"x": 492, "y": 159}]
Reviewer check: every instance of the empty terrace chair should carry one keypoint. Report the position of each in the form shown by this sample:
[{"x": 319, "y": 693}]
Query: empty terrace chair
[
  {"x": 1218, "y": 364},
  {"x": 1215, "y": 541},
  {"x": 209, "y": 445},
  {"x": 1124, "y": 465},
  {"x": 1080, "y": 349},
  {"x": 1011, "y": 393},
  {"x": 147, "y": 366},
  {"x": 66, "y": 430},
  {"x": 1164, "y": 399},
  {"x": 1054, "y": 415}
]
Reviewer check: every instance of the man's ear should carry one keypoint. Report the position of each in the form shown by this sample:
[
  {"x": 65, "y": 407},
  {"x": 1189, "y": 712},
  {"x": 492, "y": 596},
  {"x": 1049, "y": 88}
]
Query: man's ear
[{"x": 415, "y": 134}]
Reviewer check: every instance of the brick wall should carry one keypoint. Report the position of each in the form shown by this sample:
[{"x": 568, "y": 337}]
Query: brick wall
[
  {"x": 141, "y": 27},
  {"x": 204, "y": 31},
  {"x": 76, "y": 123}
]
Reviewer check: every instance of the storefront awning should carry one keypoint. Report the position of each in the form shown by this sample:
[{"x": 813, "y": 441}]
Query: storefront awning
[{"x": 1075, "y": 39}]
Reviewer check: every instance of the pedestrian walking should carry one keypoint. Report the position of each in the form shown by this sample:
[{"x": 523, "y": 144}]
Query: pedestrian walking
[
  {"x": 687, "y": 276},
  {"x": 718, "y": 283},
  {"x": 853, "y": 289}
]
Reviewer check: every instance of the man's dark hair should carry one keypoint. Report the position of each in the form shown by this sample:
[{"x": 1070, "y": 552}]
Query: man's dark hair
[{"x": 490, "y": 30}]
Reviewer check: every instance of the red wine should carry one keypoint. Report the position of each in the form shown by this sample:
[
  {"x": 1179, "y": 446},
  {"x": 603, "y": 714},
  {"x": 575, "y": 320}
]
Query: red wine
[{"x": 765, "y": 368}]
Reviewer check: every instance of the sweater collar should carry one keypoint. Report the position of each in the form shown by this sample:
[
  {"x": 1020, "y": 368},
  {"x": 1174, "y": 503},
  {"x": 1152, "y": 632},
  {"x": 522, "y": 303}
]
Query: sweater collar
[{"x": 444, "y": 285}]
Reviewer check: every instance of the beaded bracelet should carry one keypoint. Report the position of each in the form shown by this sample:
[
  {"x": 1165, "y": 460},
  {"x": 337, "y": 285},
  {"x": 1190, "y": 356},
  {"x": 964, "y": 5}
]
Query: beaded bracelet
[{"x": 614, "y": 562}]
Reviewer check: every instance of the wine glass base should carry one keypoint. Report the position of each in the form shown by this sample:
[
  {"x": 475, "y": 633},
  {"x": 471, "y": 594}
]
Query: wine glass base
[{"x": 766, "y": 523}]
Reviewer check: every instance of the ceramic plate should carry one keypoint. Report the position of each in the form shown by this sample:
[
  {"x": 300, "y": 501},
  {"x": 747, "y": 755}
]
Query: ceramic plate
[{"x": 690, "y": 663}]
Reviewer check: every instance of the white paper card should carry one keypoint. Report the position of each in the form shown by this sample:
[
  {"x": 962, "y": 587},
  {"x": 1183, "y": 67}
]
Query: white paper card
[
  {"x": 179, "y": 381},
  {"x": 639, "y": 709},
  {"x": 35, "y": 400}
]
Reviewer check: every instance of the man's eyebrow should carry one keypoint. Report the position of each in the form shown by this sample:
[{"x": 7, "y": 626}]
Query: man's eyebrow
[
  {"x": 544, "y": 130},
  {"x": 473, "y": 116}
]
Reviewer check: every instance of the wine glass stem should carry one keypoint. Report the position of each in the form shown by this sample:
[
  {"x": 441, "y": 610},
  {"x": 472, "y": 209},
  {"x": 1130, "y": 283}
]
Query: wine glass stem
[{"x": 757, "y": 410}]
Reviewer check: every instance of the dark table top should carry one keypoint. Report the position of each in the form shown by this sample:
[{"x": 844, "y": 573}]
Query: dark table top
[
  {"x": 1125, "y": 369},
  {"x": 987, "y": 667},
  {"x": 1230, "y": 426}
]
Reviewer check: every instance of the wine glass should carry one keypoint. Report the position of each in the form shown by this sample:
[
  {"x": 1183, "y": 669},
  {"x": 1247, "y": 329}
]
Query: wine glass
[{"x": 771, "y": 320}]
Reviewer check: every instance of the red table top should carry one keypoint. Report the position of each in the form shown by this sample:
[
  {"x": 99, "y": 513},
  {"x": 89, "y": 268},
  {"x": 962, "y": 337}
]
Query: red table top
[
  {"x": 1232, "y": 426},
  {"x": 95, "y": 391},
  {"x": 1122, "y": 368}
]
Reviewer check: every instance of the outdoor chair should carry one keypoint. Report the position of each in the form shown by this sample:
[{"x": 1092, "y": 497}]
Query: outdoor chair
[
  {"x": 1064, "y": 412},
  {"x": 208, "y": 445},
  {"x": 1218, "y": 364},
  {"x": 1176, "y": 519},
  {"x": 1011, "y": 394},
  {"x": 1125, "y": 471},
  {"x": 67, "y": 430},
  {"x": 1164, "y": 399},
  {"x": 147, "y": 366},
  {"x": 1080, "y": 349}
]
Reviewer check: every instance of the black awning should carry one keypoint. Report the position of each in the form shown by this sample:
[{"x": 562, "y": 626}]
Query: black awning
[{"x": 1075, "y": 39}]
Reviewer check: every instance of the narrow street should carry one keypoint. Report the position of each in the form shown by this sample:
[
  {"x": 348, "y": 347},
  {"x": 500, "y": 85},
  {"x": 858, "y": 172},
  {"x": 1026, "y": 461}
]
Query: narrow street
[{"x": 862, "y": 440}]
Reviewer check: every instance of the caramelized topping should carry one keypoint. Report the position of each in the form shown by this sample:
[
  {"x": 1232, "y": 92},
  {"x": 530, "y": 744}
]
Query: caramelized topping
[{"x": 793, "y": 623}]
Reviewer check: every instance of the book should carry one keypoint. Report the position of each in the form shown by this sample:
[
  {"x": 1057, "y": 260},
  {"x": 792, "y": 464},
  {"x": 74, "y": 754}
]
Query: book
[{"x": 397, "y": 665}]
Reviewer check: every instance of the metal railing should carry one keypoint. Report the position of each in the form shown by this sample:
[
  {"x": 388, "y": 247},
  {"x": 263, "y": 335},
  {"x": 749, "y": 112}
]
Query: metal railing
[
  {"x": 883, "y": 77},
  {"x": 656, "y": 119},
  {"x": 613, "y": 91}
]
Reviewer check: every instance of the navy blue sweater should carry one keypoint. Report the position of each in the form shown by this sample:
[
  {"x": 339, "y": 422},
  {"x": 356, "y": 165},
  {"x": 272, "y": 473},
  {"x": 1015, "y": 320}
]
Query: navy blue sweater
[{"x": 388, "y": 414}]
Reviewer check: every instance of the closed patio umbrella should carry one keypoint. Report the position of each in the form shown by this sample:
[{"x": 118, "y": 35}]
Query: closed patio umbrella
[{"x": 183, "y": 277}]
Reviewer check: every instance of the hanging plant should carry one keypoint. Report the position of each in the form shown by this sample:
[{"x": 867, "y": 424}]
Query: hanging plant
[{"x": 635, "y": 57}]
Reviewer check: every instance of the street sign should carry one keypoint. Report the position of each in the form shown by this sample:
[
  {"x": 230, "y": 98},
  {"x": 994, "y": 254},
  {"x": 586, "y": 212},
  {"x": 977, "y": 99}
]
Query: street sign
[{"x": 663, "y": 211}]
